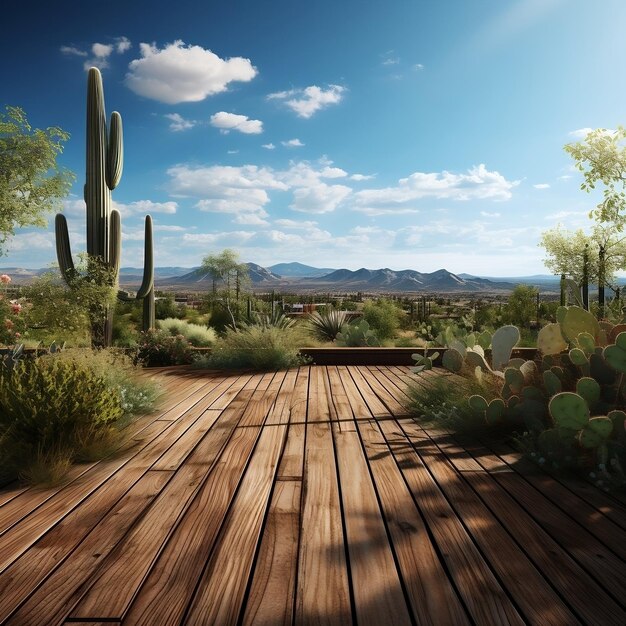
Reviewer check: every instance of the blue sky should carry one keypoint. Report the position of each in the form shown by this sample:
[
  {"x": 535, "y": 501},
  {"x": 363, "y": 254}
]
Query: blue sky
[{"x": 403, "y": 134}]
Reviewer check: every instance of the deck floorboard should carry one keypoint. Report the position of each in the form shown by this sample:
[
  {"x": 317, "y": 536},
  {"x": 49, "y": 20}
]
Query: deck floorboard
[{"x": 306, "y": 497}]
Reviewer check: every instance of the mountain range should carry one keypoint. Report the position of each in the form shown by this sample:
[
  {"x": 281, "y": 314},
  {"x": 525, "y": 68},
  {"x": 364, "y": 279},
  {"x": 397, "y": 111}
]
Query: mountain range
[{"x": 297, "y": 277}]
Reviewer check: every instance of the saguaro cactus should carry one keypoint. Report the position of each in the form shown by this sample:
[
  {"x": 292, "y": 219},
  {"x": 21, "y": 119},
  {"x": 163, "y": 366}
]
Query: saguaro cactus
[{"x": 105, "y": 158}]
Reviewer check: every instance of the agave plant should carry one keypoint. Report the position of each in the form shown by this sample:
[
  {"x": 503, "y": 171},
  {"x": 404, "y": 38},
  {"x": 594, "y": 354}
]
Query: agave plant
[
  {"x": 275, "y": 320},
  {"x": 327, "y": 324}
]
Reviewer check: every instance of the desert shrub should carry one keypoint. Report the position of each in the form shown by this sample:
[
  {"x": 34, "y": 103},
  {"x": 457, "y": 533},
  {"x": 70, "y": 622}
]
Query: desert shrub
[
  {"x": 255, "y": 347},
  {"x": 53, "y": 412},
  {"x": 276, "y": 320},
  {"x": 137, "y": 395},
  {"x": 157, "y": 348},
  {"x": 444, "y": 405},
  {"x": 327, "y": 324},
  {"x": 165, "y": 307},
  {"x": 195, "y": 334},
  {"x": 383, "y": 316}
]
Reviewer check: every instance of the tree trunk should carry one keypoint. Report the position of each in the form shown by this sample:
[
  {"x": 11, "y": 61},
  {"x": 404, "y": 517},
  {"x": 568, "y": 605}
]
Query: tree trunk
[{"x": 601, "y": 280}]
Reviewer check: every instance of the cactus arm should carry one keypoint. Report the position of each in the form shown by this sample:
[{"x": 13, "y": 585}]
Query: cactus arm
[
  {"x": 115, "y": 153},
  {"x": 64, "y": 251},
  {"x": 148, "y": 262},
  {"x": 115, "y": 242}
]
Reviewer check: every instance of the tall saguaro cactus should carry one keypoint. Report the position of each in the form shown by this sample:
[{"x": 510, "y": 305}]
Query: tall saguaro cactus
[{"x": 105, "y": 158}]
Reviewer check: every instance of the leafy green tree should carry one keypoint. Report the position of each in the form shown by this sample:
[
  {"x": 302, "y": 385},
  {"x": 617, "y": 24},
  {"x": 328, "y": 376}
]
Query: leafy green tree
[
  {"x": 601, "y": 157},
  {"x": 31, "y": 182},
  {"x": 231, "y": 279},
  {"x": 521, "y": 306},
  {"x": 383, "y": 317}
]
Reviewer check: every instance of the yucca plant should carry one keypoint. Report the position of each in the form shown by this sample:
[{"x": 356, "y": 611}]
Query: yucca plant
[
  {"x": 327, "y": 324},
  {"x": 274, "y": 320}
]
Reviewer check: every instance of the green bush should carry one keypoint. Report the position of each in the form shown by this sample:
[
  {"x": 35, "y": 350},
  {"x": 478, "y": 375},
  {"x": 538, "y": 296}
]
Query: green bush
[
  {"x": 383, "y": 316},
  {"x": 255, "y": 347},
  {"x": 157, "y": 348},
  {"x": 52, "y": 412},
  {"x": 195, "y": 334},
  {"x": 137, "y": 395}
]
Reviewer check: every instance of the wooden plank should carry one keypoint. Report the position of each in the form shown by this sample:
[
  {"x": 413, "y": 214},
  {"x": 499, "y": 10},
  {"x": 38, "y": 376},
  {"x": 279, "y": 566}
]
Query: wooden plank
[
  {"x": 126, "y": 567},
  {"x": 587, "y": 516},
  {"x": 50, "y": 602},
  {"x": 342, "y": 411},
  {"x": 171, "y": 578},
  {"x": 358, "y": 406},
  {"x": 220, "y": 592},
  {"x": 430, "y": 592},
  {"x": 318, "y": 407},
  {"x": 526, "y": 585},
  {"x": 271, "y": 598},
  {"x": 388, "y": 397},
  {"x": 375, "y": 407},
  {"x": 372, "y": 565},
  {"x": 482, "y": 594},
  {"x": 322, "y": 592},
  {"x": 552, "y": 532},
  {"x": 264, "y": 398},
  {"x": 184, "y": 445}
]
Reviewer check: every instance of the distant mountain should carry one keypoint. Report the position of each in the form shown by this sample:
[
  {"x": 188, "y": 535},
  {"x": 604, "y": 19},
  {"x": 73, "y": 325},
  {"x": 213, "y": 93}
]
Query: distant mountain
[
  {"x": 404, "y": 280},
  {"x": 382, "y": 280},
  {"x": 200, "y": 280},
  {"x": 298, "y": 270}
]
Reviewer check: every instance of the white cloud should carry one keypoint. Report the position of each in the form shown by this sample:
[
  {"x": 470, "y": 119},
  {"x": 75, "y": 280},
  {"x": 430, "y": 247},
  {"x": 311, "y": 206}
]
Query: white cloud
[
  {"x": 147, "y": 206},
  {"x": 180, "y": 73},
  {"x": 73, "y": 51},
  {"x": 294, "y": 224},
  {"x": 231, "y": 121},
  {"x": 542, "y": 186},
  {"x": 321, "y": 198},
  {"x": 564, "y": 177},
  {"x": 231, "y": 237},
  {"x": 292, "y": 143},
  {"x": 268, "y": 146},
  {"x": 100, "y": 52},
  {"x": 360, "y": 177},
  {"x": 122, "y": 44},
  {"x": 487, "y": 214},
  {"x": 250, "y": 219},
  {"x": 31, "y": 241},
  {"x": 478, "y": 183},
  {"x": 391, "y": 61},
  {"x": 306, "y": 102},
  {"x": 564, "y": 214},
  {"x": 168, "y": 228},
  {"x": 232, "y": 151},
  {"x": 179, "y": 123},
  {"x": 418, "y": 67},
  {"x": 582, "y": 133}
]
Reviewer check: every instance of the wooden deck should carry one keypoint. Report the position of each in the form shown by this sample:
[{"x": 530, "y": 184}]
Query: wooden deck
[{"x": 308, "y": 497}]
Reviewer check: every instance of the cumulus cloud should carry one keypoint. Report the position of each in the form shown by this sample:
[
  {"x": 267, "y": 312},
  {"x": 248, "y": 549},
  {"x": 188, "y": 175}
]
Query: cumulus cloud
[
  {"x": 179, "y": 123},
  {"x": 231, "y": 121},
  {"x": 292, "y": 143},
  {"x": 72, "y": 50},
  {"x": 477, "y": 184},
  {"x": 180, "y": 73},
  {"x": 361, "y": 177},
  {"x": 268, "y": 146},
  {"x": 250, "y": 219},
  {"x": 306, "y": 102},
  {"x": 321, "y": 198},
  {"x": 418, "y": 67},
  {"x": 581, "y": 133},
  {"x": 100, "y": 52},
  {"x": 295, "y": 224},
  {"x": 542, "y": 186}
]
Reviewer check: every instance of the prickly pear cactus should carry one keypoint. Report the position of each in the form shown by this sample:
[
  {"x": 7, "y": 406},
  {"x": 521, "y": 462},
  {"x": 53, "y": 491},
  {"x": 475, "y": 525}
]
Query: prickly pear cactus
[
  {"x": 615, "y": 354},
  {"x": 502, "y": 344},
  {"x": 550, "y": 340},
  {"x": 452, "y": 360}
]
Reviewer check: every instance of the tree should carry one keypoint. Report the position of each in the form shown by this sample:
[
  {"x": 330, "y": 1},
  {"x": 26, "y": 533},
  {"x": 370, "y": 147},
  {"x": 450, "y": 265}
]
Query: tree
[
  {"x": 31, "y": 182},
  {"x": 601, "y": 157},
  {"x": 521, "y": 307},
  {"x": 230, "y": 279}
]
